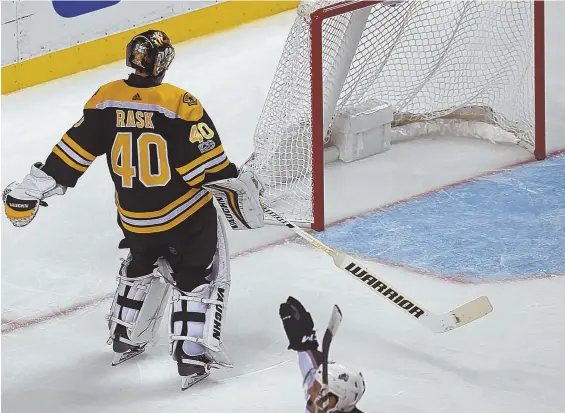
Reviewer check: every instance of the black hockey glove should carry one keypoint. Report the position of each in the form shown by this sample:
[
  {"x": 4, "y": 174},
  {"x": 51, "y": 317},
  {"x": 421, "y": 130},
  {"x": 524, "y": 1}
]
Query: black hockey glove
[{"x": 298, "y": 325}]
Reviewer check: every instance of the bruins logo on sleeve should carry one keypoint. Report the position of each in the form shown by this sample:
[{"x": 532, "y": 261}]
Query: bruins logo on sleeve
[{"x": 189, "y": 99}]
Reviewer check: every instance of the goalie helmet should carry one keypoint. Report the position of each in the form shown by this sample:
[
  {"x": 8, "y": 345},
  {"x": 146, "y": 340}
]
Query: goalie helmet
[
  {"x": 347, "y": 385},
  {"x": 151, "y": 53}
]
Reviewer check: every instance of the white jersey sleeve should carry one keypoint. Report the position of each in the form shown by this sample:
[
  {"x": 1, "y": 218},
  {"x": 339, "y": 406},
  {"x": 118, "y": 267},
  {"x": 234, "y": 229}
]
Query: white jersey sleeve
[{"x": 308, "y": 366}]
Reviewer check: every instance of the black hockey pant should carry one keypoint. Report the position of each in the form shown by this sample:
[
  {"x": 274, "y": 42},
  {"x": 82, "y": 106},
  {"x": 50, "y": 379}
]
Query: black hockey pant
[{"x": 189, "y": 258}]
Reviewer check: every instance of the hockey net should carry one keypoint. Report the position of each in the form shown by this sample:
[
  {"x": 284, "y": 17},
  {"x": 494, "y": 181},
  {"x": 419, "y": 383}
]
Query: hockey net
[{"x": 447, "y": 67}]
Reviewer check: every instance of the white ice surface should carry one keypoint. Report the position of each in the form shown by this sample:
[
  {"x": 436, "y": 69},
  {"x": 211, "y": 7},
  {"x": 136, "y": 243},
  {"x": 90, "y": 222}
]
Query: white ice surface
[{"x": 512, "y": 361}]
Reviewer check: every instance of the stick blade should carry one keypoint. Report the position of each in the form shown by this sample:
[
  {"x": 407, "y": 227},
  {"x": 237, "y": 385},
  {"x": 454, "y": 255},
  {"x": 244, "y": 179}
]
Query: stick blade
[
  {"x": 472, "y": 311},
  {"x": 467, "y": 313},
  {"x": 331, "y": 330},
  {"x": 335, "y": 320}
]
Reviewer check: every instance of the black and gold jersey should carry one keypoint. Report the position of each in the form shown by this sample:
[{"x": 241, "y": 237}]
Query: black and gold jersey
[{"x": 161, "y": 147}]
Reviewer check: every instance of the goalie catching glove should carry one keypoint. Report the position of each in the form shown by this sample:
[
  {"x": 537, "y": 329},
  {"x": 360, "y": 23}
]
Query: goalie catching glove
[
  {"x": 238, "y": 199},
  {"x": 22, "y": 201}
]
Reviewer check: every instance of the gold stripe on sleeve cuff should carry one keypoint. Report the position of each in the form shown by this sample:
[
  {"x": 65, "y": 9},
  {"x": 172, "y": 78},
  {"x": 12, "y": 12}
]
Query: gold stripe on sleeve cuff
[
  {"x": 200, "y": 160},
  {"x": 68, "y": 160},
  {"x": 201, "y": 177},
  {"x": 77, "y": 148}
]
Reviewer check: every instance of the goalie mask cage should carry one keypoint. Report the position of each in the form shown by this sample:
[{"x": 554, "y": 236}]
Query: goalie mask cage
[{"x": 461, "y": 68}]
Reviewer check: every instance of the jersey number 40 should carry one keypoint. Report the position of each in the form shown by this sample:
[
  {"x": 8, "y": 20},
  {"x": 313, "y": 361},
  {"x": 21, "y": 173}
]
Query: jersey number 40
[
  {"x": 199, "y": 132},
  {"x": 122, "y": 159}
]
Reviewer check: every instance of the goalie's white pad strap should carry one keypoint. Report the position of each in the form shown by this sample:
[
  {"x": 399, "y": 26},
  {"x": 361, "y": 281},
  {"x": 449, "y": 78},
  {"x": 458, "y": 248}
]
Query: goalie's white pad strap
[
  {"x": 238, "y": 199},
  {"x": 139, "y": 303},
  {"x": 196, "y": 317}
]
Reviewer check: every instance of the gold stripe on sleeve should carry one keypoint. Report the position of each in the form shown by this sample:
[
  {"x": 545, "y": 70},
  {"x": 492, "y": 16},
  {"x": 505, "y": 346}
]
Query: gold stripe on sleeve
[
  {"x": 200, "y": 160},
  {"x": 68, "y": 160},
  {"x": 77, "y": 148},
  {"x": 200, "y": 178}
]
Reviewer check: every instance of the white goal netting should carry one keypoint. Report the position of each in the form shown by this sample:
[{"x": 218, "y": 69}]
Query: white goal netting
[{"x": 452, "y": 67}]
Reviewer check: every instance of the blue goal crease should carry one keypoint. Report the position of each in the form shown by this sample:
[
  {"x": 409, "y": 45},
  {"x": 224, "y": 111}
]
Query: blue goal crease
[{"x": 507, "y": 225}]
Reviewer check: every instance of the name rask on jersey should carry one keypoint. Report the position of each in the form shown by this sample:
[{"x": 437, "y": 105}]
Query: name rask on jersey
[{"x": 134, "y": 119}]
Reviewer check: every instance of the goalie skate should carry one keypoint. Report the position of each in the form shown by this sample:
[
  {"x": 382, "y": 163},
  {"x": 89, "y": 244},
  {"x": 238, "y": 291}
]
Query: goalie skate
[
  {"x": 194, "y": 369},
  {"x": 195, "y": 377},
  {"x": 134, "y": 351},
  {"x": 124, "y": 351}
]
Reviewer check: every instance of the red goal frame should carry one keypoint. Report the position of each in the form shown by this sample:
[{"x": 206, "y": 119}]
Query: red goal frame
[{"x": 316, "y": 59}]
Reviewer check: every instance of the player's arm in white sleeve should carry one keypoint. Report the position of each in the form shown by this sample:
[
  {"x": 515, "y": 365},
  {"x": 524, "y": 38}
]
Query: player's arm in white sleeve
[
  {"x": 299, "y": 329},
  {"x": 346, "y": 386},
  {"x": 309, "y": 362}
]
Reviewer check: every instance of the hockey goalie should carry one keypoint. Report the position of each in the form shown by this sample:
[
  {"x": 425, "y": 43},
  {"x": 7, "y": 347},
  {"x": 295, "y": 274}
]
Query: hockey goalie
[{"x": 163, "y": 150}]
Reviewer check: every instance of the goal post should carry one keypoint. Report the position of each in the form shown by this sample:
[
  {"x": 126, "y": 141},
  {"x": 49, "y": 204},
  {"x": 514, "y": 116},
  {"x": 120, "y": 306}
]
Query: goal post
[
  {"x": 473, "y": 68},
  {"x": 539, "y": 79}
]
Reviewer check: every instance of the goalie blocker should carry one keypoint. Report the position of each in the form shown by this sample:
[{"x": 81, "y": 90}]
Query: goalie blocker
[{"x": 238, "y": 198}]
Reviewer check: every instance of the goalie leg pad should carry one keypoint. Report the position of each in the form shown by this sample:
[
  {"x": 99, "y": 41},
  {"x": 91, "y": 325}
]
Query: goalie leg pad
[
  {"x": 139, "y": 304},
  {"x": 196, "y": 317}
]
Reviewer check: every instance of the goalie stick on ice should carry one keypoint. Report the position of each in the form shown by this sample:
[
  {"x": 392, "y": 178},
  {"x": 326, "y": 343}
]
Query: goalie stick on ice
[{"x": 437, "y": 323}]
